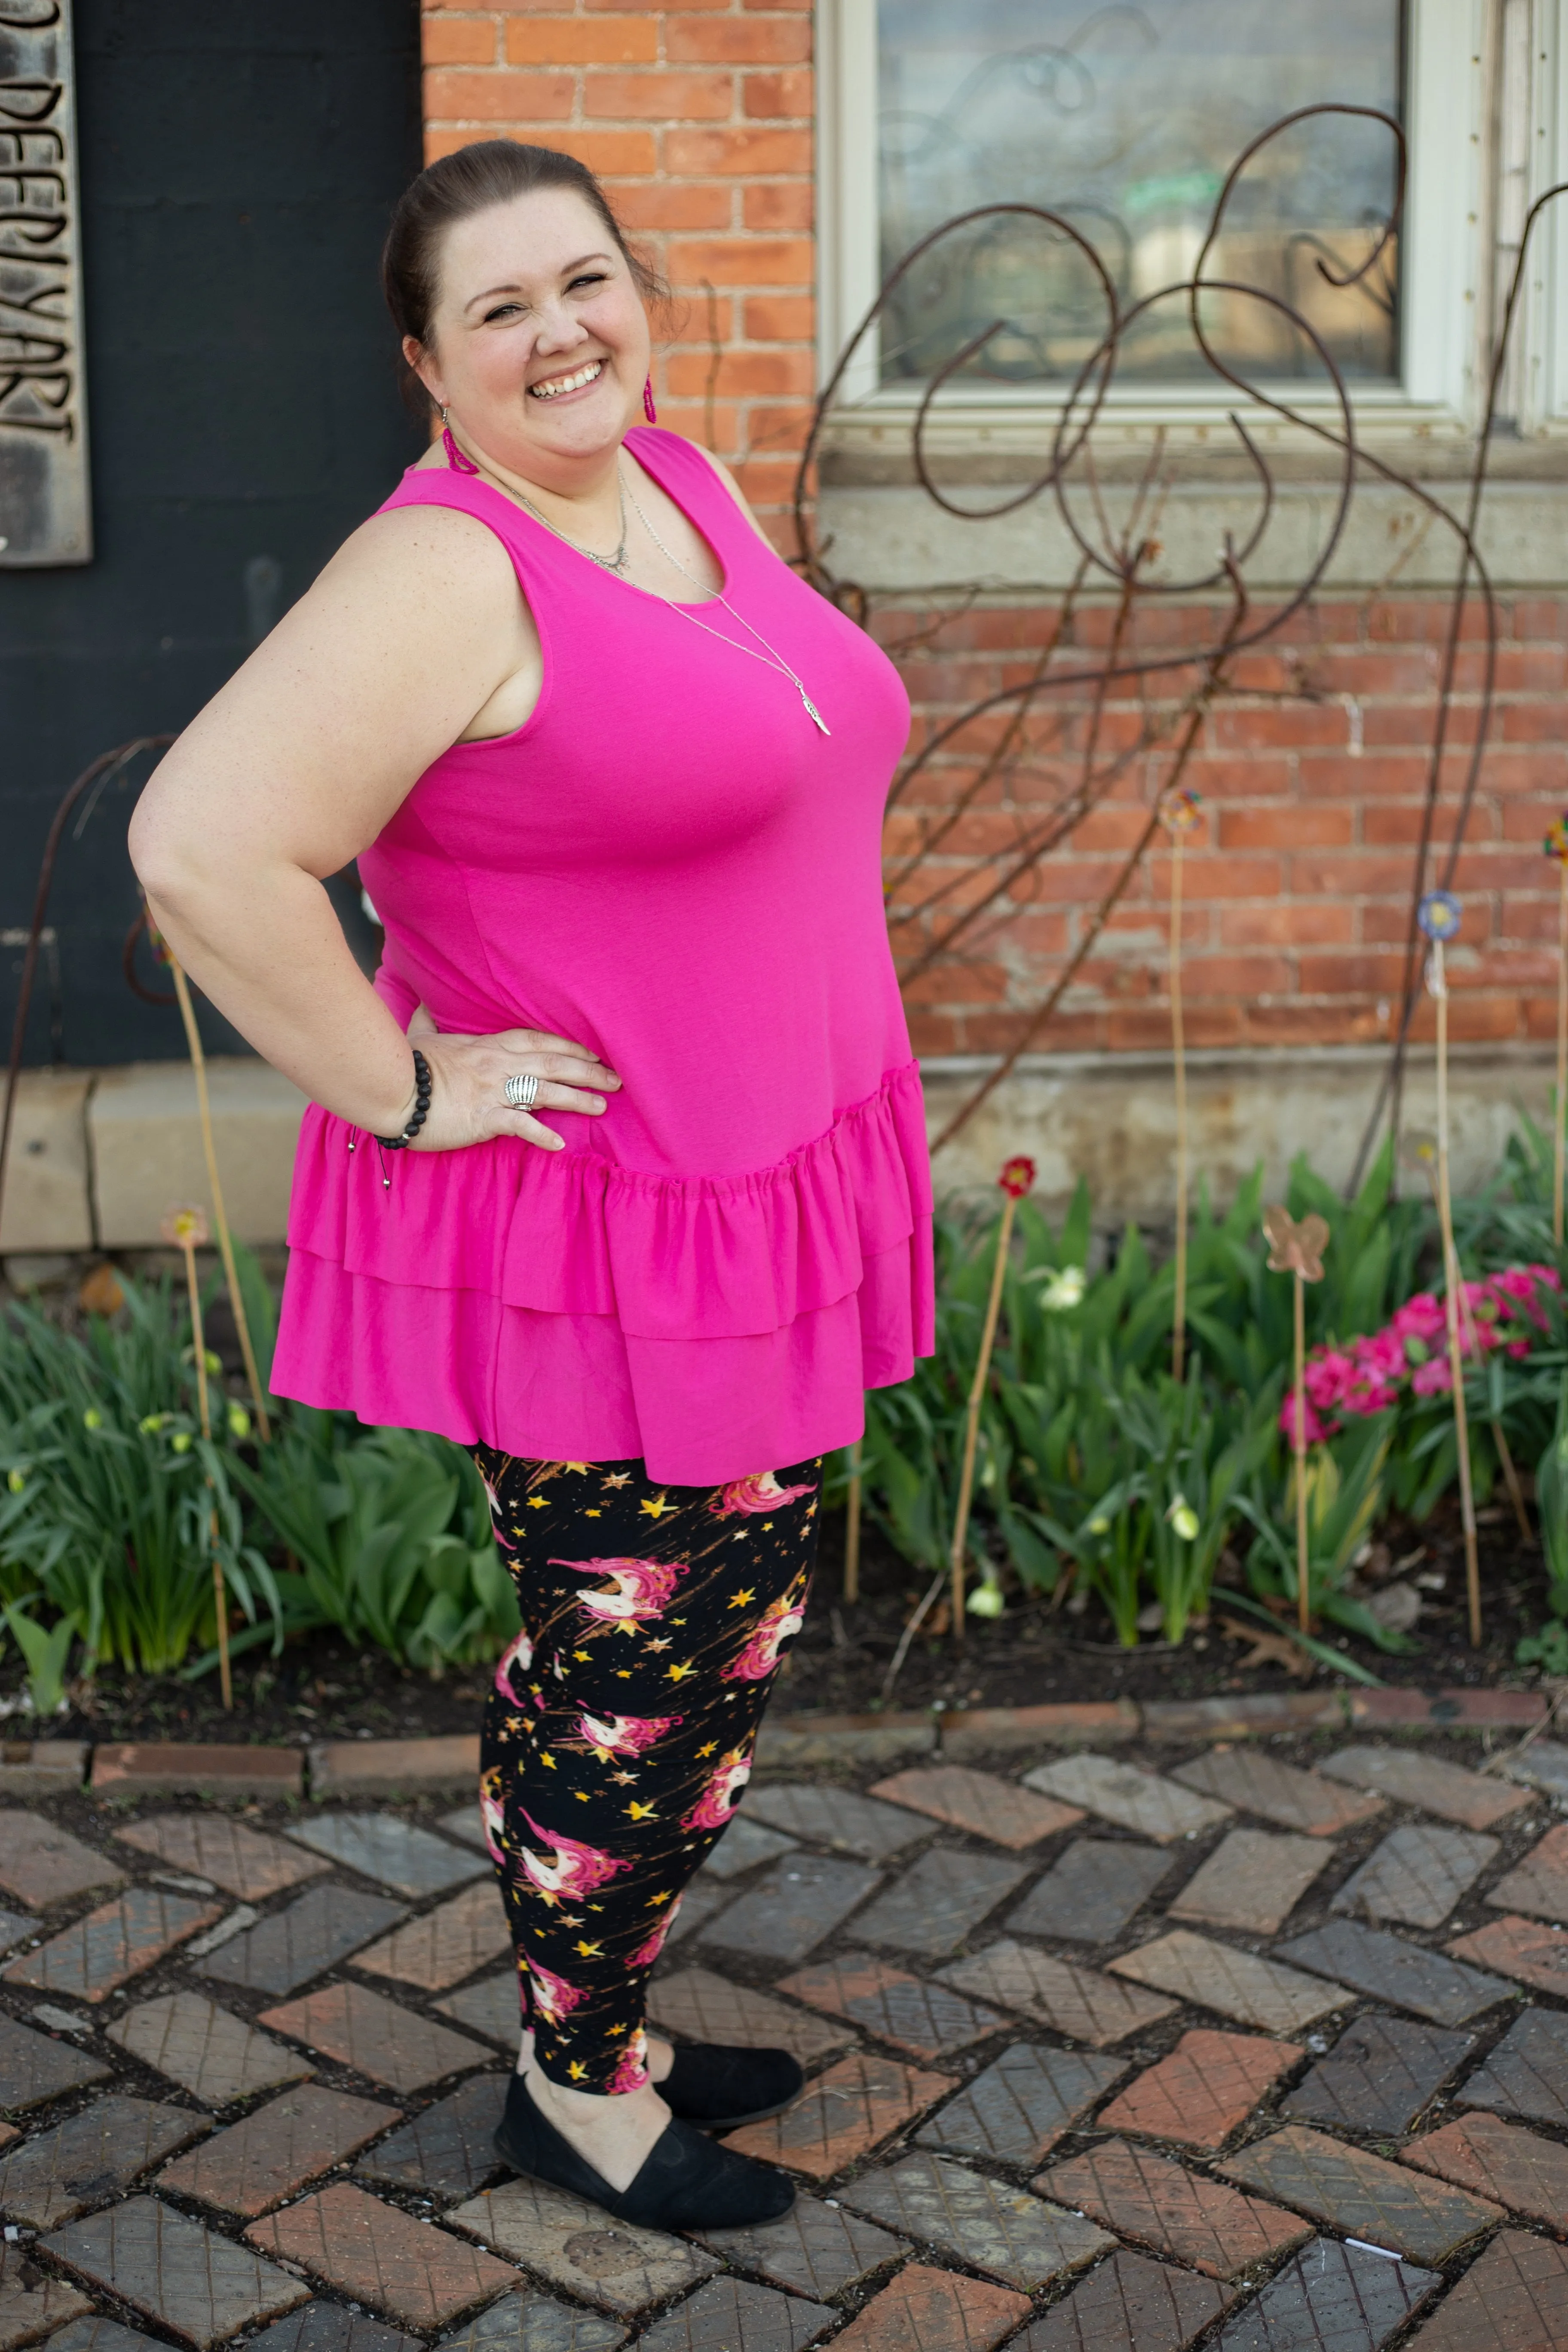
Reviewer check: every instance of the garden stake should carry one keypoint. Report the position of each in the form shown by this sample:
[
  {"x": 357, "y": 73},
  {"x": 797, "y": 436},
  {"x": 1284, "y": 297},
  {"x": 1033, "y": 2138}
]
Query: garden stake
[
  {"x": 220, "y": 1218},
  {"x": 186, "y": 1229},
  {"x": 1297, "y": 1250},
  {"x": 1015, "y": 1180},
  {"x": 852, "y": 1528},
  {"x": 1440, "y": 918},
  {"x": 1556, "y": 846},
  {"x": 1182, "y": 816}
]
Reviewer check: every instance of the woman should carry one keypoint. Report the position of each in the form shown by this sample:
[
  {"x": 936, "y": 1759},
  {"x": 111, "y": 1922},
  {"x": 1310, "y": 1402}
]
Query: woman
[{"x": 616, "y": 1174}]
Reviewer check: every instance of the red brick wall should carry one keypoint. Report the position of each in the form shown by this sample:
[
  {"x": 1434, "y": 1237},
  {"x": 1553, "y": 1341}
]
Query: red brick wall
[{"x": 698, "y": 120}]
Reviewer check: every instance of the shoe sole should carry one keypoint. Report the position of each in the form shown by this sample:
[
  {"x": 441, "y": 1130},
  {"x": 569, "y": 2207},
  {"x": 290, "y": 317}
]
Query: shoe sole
[
  {"x": 522, "y": 2172},
  {"x": 734, "y": 2123}
]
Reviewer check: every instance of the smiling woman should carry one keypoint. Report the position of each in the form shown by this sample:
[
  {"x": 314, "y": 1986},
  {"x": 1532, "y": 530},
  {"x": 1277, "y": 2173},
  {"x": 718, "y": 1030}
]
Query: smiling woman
[{"x": 616, "y": 1174}]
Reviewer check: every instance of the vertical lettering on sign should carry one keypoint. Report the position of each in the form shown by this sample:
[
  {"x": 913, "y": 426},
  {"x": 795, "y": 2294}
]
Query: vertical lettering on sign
[{"x": 46, "y": 515}]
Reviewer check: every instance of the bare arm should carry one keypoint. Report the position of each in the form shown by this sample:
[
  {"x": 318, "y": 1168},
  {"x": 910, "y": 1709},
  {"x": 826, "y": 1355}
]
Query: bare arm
[{"x": 292, "y": 769}]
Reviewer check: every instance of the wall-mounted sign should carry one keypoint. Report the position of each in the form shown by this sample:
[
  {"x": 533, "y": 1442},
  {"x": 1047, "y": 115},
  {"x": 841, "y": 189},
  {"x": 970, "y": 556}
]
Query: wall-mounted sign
[{"x": 46, "y": 512}]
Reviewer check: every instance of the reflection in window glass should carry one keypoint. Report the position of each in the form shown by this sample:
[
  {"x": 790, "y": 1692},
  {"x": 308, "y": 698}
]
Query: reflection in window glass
[{"x": 1125, "y": 120}]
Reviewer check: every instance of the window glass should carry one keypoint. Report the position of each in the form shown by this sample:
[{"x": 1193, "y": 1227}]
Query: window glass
[{"x": 1125, "y": 120}]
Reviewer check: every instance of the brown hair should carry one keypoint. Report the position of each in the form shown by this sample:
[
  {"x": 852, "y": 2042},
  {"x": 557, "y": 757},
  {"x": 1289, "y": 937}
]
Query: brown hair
[{"x": 489, "y": 172}]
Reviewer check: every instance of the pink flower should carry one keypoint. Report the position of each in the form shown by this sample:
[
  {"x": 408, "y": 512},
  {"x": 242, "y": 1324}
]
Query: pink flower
[
  {"x": 1316, "y": 1430},
  {"x": 1422, "y": 1317},
  {"x": 1431, "y": 1378},
  {"x": 1328, "y": 1376},
  {"x": 1381, "y": 1355}
]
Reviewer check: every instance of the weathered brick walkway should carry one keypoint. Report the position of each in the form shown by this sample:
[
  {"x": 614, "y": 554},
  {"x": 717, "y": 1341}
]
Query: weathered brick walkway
[{"x": 1255, "y": 2043}]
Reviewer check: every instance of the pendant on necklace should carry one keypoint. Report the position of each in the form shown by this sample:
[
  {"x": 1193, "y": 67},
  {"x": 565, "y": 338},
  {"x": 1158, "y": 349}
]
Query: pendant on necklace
[{"x": 812, "y": 711}]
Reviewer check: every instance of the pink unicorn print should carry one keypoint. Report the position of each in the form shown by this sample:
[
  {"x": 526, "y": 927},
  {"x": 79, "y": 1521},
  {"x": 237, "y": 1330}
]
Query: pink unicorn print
[
  {"x": 779, "y": 1622},
  {"x": 631, "y": 2070},
  {"x": 497, "y": 1508},
  {"x": 625, "y": 1735},
  {"x": 555, "y": 1997},
  {"x": 494, "y": 1822},
  {"x": 575, "y": 1870},
  {"x": 637, "y": 1593},
  {"x": 760, "y": 1492},
  {"x": 722, "y": 1794},
  {"x": 518, "y": 1654},
  {"x": 647, "y": 1953}
]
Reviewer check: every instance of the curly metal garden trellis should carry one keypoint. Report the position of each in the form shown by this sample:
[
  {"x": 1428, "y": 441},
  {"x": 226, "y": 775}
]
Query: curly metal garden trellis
[{"x": 930, "y": 931}]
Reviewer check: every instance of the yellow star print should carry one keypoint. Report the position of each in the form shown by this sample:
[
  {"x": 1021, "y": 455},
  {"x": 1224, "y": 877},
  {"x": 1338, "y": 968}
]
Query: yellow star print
[
  {"x": 574, "y": 1465},
  {"x": 652, "y": 1900},
  {"x": 678, "y": 1673},
  {"x": 546, "y": 1757},
  {"x": 739, "y": 1600},
  {"x": 640, "y": 1812},
  {"x": 537, "y": 1503},
  {"x": 655, "y": 1647},
  {"x": 713, "y": 1744},
  {"x": 657, "y": 1508},
  {"x": 592, "y": 1515},
  {"x": 589, "y": 1951},
  {"x": 576, "y": 2070},
  {"x": 621, "y": 1478}
]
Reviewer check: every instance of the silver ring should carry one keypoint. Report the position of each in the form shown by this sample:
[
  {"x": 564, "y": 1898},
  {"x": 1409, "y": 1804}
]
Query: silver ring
[{"x": 523, "y": 1092}]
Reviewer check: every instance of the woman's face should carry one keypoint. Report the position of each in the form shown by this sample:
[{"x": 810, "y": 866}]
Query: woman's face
[{"x": 538, "y": 341}]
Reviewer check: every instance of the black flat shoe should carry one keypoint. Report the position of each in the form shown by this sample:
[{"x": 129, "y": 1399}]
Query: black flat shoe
[
  {"x": 687, "y": 2183},
  {"x": 717, "y": 2087}
]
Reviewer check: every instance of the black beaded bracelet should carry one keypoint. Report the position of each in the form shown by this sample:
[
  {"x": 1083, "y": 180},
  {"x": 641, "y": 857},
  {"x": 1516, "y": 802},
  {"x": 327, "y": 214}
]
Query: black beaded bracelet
[{"x": 421, "y": 1108}]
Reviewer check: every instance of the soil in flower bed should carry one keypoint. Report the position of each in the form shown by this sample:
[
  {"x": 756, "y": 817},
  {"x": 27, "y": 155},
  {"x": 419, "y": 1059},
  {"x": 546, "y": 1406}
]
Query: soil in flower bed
[{"x": 321, "y": 1688}]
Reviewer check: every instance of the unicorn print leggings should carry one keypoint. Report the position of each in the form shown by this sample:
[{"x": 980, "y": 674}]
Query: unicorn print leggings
[{"x": 617, "y": 1739}]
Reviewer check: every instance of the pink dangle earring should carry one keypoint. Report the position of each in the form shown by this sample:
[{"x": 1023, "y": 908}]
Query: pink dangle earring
[
  {"x": 454, "y": 456},
  {"x": 648, "y": 410}
]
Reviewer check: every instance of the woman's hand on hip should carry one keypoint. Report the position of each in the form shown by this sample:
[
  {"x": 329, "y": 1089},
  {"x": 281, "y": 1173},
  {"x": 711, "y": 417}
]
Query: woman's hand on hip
[{"x": 467, "y": 1095}]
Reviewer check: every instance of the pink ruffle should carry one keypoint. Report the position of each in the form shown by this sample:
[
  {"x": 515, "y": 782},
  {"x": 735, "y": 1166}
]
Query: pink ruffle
[{"x": 564, "y": 1306}]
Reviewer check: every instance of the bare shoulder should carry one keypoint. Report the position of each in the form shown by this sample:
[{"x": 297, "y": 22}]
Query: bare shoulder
[
  {"x": 733, "y": 487},
  {"x": 421, "y": 550}
]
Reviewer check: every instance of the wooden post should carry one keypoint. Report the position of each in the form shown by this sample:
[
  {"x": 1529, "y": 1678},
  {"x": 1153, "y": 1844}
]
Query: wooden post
[
  {"x": 187, "y": 1228},
  {"x": 1181, "y": 815},
  {"x": 1437, "y": 982},
  {"x": 1015, "y": 1180},
  {"x": 1297, "y": 1250},
  {"x": 1303, "y": 1544}
]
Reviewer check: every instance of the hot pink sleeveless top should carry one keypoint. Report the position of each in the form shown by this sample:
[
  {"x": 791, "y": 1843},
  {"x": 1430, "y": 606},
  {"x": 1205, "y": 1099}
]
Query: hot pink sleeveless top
[{"x": 667, "y": 862}]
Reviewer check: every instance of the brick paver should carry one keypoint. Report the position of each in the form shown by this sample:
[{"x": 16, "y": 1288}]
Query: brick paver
[
  {"x": 1016, "y": 2110},
  {"x": 283, "y": 1952},
  {"x": 1331, "y": 2298},
  {"x": 90, "y": 2158},
  {"x": 381, "y": 2255},
  {"x": 1543, "y": 1765},
  {"x": 728, "y": 2312},
  {"x": 800, "y": 1902},
  {"x": 695, "y": 2005},
  {"x": 1527, "y": 2072},
  {"x": 1091, "y": 1890},
  {"x": 99, "y": 2335},
  {"x": 815, "y": 2249},
  {"x": 184, "y": 2278},
  {"x": 1159, "y": 2203},
  {"x": 41, "y": 1865},
  {"x": 1256, "y": 1782},
  {"x": 1379, "y": 2075},
  {"x": 925, "y": 2310},
  {"x": 928, "y": 2021},
  {"x": 982, "y": 1803},
  {"x": 276, "y": 2150},
  {"x": 1389, "y": 1967},
  {"x": 1502, "y": 2161},
  {"x": 321, "y": 2327},
  {"x": 1418, "y": 1874},
  {"x": 213, "y": 2054},
  {"x": 836, "y": 1817},
  {"x": 1532, "y": 1950},
  {"x": 1539, "y": 1884},
  {"x": 578, "y": 2248},
  {"x": 32, "y": 2303},
  {"x": 111, "y": 1944},
  {"x": 842, "y": 2115},
  {"x": 493, "y": 2007},
  {"x": 940, "y": 1898},
  {"x": 746, "y": 1845},
  {"x": 1144, "y": 1802},
  {"x": 15, "y": 1929},
  {"x": 377, "y": 2038},
  {"x": 33, "y": 2068},
  {"x": 394, "y": 1767},
  {"x": 1515, "y": 2295},
  {"x": 1362, "y": 2195},
  {"x": 1129, "y": 2304},
  {"x": 448, "y": 2149},
  {"x": 1203, "y": 2091},
  {"x": 245, "y": 1861},
  {"x": 1072, "y": 2000},
  {"x": 394, "y": 1853},
  {"x": 1252, "y": 1881},
  {"x": 1215, "y": 1976},
  {"x": 1010, "y": 2233},
  {"x": 444, "y": 1946},
  {"x": 528, "y": 2322},
  {"x": 1412, "y": 1775},
  {"x": 145, "y": 1769}
]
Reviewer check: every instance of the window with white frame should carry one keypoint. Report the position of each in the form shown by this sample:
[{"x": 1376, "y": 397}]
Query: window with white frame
[{"x": 1124, "y": 119}]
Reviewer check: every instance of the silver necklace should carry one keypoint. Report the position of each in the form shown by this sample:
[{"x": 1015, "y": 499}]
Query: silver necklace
[
  {"x": 771, "y": 659},
  {"x": 616, "y": 563}
]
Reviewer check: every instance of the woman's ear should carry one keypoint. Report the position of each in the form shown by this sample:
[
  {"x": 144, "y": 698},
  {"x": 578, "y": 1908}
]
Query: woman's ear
[{"x": 415, "y": 353}]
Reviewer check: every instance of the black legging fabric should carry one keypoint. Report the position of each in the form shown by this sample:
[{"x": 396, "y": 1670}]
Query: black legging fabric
[{"x": 618, "y": 1736}]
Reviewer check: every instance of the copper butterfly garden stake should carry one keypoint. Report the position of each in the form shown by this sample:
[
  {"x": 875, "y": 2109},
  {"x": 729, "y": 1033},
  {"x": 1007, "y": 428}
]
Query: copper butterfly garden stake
[
  {"x": 186, "y": 1230},
  {"x": 1015, "y": 1180},
  {"x": 1181, "y": 814},
  {"x": 1439, "y": 917},
  {"x": 1297, "y": 1250},
  {"x": 1556, "y": 846}
]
